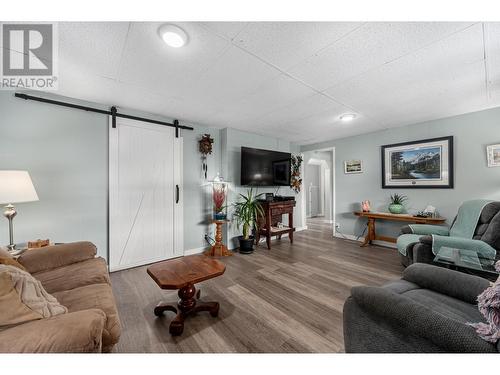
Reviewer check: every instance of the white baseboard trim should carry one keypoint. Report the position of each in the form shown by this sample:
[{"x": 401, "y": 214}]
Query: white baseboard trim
[
  {"x": 194, "y": 251},
  {"x": 197, "y": 250},
  {"x": 361, "y": 239},
  {"x": 139, "y": 264}
]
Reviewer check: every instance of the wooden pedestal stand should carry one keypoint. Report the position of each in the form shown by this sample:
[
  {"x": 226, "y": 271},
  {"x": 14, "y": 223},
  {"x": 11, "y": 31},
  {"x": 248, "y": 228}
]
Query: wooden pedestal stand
[{"x": 218, "y": 249}]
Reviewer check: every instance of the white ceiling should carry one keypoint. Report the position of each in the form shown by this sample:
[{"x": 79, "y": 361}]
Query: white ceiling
[{"x": 287, "y": 79}]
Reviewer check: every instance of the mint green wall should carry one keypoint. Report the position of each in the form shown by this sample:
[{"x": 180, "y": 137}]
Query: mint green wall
[
  {"x": 473, "y": 179},
  {"x": 232, "y": 141},
  {"x": 66, "y": 152}
]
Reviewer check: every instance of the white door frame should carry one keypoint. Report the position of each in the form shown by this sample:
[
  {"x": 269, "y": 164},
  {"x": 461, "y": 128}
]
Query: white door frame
[{"x": 334, "y": 189}]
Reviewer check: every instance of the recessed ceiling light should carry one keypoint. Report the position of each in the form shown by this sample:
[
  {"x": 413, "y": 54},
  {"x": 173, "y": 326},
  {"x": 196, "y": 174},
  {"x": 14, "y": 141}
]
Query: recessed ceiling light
[
  {"x": 173, "y": 36},
  {"x": 347, "y": 117}
]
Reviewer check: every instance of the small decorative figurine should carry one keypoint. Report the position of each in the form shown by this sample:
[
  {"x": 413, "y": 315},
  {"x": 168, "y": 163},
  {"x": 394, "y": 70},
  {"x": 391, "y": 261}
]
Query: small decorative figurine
[
  {"x": 205, "y": 147},
  {"x": 365, "y": 206},
  {"x": 296, "y": 180}
]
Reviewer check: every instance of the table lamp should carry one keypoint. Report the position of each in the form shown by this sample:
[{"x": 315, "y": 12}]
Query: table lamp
[{"x": 15, "y": 187}]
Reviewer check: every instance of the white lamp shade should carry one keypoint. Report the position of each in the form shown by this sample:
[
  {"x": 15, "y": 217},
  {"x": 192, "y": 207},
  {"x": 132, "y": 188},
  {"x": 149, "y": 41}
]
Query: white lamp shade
[{"x": 16, "y": 187}]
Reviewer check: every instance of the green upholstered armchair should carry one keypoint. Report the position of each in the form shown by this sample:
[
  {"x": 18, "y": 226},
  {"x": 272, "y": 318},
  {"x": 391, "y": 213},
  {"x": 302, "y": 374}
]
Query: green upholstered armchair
[{"x": 420, "y": 243}]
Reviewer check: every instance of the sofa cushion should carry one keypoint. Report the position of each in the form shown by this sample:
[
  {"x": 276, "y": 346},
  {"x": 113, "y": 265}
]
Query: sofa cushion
[
  {"x": 400, "y": 286},
  {"x": 96, "y": 296},
  {"x": 91, "y": 271},
  {"x": 78, "y": 332},
  {"x": 50, "y": 257},
  {"x": 490, "y": 210},
  {"x": 448, "y": 306},
  {"x": 492, "y": 233}
]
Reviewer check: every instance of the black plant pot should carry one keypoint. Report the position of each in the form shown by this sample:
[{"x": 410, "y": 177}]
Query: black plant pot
[{"x": 246, "y": 246}]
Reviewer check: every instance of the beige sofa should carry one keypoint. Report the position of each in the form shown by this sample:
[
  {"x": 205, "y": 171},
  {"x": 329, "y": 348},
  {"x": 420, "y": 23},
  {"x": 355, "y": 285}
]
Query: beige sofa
[{"x": 80, "y": 281}]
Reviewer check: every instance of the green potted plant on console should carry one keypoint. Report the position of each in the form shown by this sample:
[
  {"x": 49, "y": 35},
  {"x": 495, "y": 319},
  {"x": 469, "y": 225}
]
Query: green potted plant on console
[
  {"x": 247, "y": 212},
  {"x": 397, "y": 201}
]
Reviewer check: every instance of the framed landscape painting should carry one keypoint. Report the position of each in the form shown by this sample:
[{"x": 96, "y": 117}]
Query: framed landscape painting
[{"x": 420, "y": 164}]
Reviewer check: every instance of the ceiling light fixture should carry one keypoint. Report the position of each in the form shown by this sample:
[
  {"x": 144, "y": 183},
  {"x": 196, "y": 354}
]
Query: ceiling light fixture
[
  {"x": 347, "y": 117},
  {"x": 173, "y": 36}
]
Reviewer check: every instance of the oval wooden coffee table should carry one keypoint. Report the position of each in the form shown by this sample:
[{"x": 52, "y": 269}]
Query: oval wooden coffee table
[{"x": 182, "y": 273}]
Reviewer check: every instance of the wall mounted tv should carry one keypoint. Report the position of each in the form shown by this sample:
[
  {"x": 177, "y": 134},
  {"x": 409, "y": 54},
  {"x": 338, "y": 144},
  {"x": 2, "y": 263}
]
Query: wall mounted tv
[{"x": 265, "y": 167}]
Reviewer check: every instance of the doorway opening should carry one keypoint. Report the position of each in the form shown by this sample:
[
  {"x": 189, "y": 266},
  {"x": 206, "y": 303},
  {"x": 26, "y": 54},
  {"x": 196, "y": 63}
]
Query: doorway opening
[{"x": 319, "y": 189}]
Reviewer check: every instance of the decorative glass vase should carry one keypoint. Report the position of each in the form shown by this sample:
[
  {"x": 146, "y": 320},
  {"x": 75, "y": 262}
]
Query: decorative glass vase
[{"x": 219, "y": 196}]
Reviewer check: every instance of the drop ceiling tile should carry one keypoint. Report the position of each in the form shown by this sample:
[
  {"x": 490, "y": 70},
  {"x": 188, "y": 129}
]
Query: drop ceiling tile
[
  {"x": 271, "y": 95},
  {"x": 368, "y": 47},
  {"x": 232, "y": 76},
  {"x": 285, "y": 44},
  {"x": 438, "y": 80},
  {"x": 299, "y": 109},
  {"x": 95, "y": 46},
  {"x": 492, "y": 66},
  {"x": 326, "y": 126},
  {"x": 110, "y": 92},
  {"x": 149, "y": 62},
  {"x": 92, "y": 88},
  {"x": 225, "y": 29}
]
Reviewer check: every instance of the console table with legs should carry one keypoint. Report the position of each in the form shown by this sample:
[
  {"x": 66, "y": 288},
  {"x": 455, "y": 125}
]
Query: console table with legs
[
  {"x": 273, "y": 214},
  {"x": 373, "y": 216}
]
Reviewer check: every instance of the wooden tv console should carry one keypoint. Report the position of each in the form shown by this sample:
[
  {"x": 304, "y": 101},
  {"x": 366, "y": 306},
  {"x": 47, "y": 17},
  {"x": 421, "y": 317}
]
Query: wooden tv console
[{"x": 273, "y": 214}]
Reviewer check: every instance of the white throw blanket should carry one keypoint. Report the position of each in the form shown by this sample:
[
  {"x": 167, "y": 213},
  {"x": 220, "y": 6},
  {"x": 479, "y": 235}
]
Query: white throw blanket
[{"x": 32, "y": 293}]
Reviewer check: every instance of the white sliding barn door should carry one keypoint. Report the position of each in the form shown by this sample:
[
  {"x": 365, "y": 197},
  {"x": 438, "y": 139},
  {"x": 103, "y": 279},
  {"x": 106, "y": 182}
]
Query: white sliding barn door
[{"x": 145, "y": 194}]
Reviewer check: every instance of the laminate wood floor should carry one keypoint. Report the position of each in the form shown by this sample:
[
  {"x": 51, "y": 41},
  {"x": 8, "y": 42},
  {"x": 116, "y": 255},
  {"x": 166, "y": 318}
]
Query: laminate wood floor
[{"x": 288, "y": 299}]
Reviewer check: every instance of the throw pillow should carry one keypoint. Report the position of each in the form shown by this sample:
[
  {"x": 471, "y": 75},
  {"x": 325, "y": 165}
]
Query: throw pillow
[
  {"x": 32, "y": 293},
  {"x": 11, "y": 262},
  {"x": 4, "y": 253},
  {"x": 14, "y": 311},
  {"x": 489, "y": 306}
]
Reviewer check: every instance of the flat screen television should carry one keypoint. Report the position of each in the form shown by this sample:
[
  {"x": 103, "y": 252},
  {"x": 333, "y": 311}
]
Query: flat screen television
[{"x": 265, "y": 167}]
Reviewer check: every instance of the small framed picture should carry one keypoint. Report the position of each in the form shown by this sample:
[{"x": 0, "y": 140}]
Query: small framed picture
[
  {"x": 353, "y": 166},
  {"x": 493, "y": 153}
]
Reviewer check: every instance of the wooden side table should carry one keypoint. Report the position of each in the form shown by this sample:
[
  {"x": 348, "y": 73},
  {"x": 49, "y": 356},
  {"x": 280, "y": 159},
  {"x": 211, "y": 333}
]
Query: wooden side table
[
  {"x": 182, "y": 273},
  {"x": 218, "y": 249},
  {"x": 273, "y": 213}
]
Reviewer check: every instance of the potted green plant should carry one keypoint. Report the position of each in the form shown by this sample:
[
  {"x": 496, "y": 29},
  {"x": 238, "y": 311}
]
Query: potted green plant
[
  {"x": 397, "y": 201},
  {"x": 247, "y": 212}
]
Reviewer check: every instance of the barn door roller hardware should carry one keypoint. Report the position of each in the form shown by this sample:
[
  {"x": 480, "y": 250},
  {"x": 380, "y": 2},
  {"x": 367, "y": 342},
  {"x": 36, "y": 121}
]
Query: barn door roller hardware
[{"x": 113, "y": 112}]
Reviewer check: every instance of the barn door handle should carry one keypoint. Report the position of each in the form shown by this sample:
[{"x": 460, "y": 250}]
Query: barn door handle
[{"x": 176, "y": 193}]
